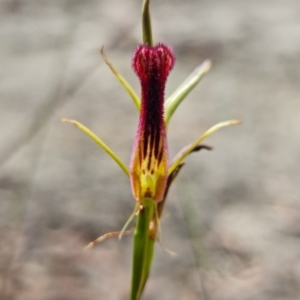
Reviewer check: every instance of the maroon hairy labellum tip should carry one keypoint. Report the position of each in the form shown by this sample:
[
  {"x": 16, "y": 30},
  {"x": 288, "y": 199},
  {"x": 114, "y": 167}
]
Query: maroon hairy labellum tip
[{"x": 149, "y": 160}]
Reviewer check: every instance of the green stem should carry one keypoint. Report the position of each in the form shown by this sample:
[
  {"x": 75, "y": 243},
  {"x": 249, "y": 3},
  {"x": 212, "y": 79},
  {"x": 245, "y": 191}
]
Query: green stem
[
  {"x": 146, "y": 20},
  {"x": 143, "y": 248}
]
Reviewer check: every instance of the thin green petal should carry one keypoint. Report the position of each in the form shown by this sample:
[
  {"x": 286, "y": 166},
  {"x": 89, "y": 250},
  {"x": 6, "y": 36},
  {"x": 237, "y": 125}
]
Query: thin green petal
[
  {"x": 184, "y": 89},
  {"x": 172, "y": 176},
  {"x": 133, "y": 214},
  {"x": 100, "y": 143},
  {"x": 106, "y": 236},
  {"x": 187, "y": 150},
  {"x": 143, "y": 248},
  {"x": 146, "y": 19},
  {"x": 124, "y": 83}
]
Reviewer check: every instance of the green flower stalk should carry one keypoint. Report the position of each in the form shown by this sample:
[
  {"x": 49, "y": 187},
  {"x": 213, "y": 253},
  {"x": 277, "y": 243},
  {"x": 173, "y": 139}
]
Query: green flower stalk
[{"x": 150, "y": 172}]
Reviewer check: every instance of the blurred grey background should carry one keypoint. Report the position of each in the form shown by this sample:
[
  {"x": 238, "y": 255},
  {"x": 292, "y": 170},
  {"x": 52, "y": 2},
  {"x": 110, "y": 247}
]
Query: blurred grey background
[{"x": 233, "y": 216}]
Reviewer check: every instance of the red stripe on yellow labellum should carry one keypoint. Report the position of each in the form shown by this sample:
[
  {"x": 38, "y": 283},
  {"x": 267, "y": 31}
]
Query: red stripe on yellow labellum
[{"x": 149, "y": 160}]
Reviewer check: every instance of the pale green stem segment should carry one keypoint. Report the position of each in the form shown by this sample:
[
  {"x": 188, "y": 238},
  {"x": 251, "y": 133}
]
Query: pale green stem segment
[
  {"x": 143, "y": 248},
  {"x": 146, "y": 20},
  {"x": 94, "y": 137},
  {"x": 184, "y": 89},
  {"x": 135, "y": 98},
  {"x": 187, "y": 150}
]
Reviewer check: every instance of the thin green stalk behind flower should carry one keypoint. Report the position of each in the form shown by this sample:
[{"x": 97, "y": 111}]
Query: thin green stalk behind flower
[
  {"x": 150, "y": 172},
  {"x": 143, "y": 248},
  {"x": 146, "y": 19}
]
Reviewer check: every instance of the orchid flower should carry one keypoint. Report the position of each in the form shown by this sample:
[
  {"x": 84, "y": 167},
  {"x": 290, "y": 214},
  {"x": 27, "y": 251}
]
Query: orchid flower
[
  {"x": 149, "y": 161},
  {"x": 150, "y": 171}
]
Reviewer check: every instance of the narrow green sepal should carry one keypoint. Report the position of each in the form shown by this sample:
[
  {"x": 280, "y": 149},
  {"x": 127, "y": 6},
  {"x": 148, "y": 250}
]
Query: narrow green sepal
[
  {"x": 184, "y": 89},
  {"x": 96, "y": 139},
  {"x": 143, "y": 248},
  {"x": 133, "y": 214},
  {"x": 172, "y": 176},
  {"x": 146, "y": 20},
  {"x": 135, "y": 98},
  {"x": 190, "y": 148}
]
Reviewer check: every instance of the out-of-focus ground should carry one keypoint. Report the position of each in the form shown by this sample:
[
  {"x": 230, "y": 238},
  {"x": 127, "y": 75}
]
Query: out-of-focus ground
[{"x": 233, "y": 216}]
